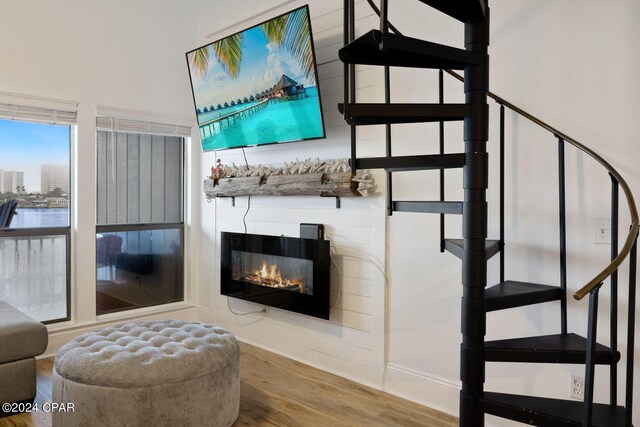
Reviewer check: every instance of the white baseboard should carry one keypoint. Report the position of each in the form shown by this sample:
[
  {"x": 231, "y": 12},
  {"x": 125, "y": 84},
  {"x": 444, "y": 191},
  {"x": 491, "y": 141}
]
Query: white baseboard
[{"x": 435, "y": 393}]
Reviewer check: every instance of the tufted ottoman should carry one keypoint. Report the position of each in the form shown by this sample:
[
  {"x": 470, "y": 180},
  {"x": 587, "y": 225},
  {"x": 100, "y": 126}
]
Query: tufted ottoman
[{"x": 149, "y": 373}]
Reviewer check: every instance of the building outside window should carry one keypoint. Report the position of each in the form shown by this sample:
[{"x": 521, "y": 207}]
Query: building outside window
[
  {"x": 35, "y": 236},
  {"x": 54, "y": 178},
  {"x": 11, "y": 181}
]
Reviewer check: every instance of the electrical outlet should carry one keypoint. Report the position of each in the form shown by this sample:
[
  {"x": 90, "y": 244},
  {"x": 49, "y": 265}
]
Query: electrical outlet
[
  {"x": 602, "y": 230},
  {"x": 577, "y": 387}
]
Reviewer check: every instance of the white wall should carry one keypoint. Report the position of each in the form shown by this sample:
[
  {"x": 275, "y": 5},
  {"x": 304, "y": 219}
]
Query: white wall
[
  {"x": 118, "y": 56},
  {"x": 571, "y": 68},
  {"x": 568, "y": 67},
  {"x": 351, "y": 342},
  {"x": 121, "y": 54}
]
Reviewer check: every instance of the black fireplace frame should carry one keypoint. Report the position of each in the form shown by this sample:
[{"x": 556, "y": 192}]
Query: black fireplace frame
[{"x": 315, "y": 250}]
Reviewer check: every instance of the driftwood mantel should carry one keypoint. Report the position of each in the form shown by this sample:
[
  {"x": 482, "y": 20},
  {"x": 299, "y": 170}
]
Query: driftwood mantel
[{"x": 310, "y": 184}]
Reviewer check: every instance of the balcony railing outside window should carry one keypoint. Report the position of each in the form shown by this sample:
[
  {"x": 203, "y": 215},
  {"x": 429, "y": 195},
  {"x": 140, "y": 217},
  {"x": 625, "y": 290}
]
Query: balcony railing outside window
[
  {"x": 34, "y": 245},
  {"x": 33, "y": 274}
]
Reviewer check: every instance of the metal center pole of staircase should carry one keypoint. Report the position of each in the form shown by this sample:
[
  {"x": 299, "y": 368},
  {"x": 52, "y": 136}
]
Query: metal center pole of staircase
[{"x": 474, "y": 260}]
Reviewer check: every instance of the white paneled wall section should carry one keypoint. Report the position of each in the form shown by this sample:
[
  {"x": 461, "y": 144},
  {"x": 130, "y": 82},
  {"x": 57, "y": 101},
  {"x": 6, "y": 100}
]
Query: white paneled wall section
[{"x": 351, "y": 343}]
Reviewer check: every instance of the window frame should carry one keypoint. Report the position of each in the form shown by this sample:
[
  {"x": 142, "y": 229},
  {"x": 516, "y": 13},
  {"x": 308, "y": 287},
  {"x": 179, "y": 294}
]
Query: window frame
[
  {"x": 149, "y": 226},
  {"x": 54, "y": 231}
]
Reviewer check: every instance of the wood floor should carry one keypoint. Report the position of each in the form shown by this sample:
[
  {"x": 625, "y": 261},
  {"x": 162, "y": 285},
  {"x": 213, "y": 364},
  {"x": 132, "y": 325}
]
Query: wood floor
[{"x": 277, "y": 391}]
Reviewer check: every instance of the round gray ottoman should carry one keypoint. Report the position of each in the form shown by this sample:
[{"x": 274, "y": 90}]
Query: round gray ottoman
[{"x": 149, "y": 373}]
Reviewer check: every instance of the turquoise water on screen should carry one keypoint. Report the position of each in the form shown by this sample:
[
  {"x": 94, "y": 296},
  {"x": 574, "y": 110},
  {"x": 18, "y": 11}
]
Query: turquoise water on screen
[{"x": 277, "y": 122}]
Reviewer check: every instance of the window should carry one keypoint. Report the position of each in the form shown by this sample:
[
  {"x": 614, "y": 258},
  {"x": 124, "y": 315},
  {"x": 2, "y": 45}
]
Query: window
[
  {"x": 140, "y": 231},
  {"x": 34, "y": 215}
]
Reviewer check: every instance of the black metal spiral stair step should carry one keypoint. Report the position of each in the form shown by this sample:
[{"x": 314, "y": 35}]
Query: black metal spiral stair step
[
  {"x": 456, "y": 247},
  {"x": 380, "y": 114},
  {"x": 542, "y": 411},
  {"x": 376, "y": 48},
  {"x": 412, "y": 163},
  {"x": 559, "y": 348},
  {"x": 511, "y": 294},
  {"x": 462, "y": 10},
  {"x": 451, "y": 208}
]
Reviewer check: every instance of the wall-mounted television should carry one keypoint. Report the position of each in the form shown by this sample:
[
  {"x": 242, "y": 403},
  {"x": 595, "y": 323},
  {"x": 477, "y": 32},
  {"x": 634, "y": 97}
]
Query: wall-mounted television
[{"x": 258, "y": 86}]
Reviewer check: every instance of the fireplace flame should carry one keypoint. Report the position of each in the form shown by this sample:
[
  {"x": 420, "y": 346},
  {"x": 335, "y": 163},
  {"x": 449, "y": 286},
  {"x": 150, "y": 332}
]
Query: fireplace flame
[
  {"x": 263, "y": 272},
  {"x": 272, "y": 273},
  {"x": 269, "y": 275}
]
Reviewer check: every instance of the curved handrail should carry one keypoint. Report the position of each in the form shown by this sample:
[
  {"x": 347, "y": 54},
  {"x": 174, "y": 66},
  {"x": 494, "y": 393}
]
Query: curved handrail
[{"x": 633, "y": 211}]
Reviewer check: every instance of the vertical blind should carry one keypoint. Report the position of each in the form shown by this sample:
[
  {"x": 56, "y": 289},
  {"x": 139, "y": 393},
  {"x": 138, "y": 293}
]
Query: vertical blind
[
  {"x": 140, "y": 126},
  {"x": 139, "y": 178}
]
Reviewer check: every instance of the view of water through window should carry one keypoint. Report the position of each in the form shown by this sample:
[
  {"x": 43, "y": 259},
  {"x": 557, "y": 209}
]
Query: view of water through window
[
  {"x": 40, "y": 217},
  {"x": 34, "y": 194}
]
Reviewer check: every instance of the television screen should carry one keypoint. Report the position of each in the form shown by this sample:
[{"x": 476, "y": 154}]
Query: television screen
[{"x": 258, "y": 86}]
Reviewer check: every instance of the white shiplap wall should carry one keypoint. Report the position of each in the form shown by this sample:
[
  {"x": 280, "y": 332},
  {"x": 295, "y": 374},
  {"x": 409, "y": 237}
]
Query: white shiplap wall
[
  {"x": 351, "y": 343},
  {"x": 424, "y": 306}
]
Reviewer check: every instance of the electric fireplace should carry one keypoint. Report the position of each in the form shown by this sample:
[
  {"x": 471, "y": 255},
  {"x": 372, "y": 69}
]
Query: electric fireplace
[{"x": 282, "y": 272}]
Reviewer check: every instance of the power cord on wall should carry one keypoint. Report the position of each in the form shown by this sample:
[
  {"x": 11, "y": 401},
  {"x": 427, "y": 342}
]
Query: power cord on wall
[
  {"x": 339, "y": 275},
  {"x": 244, "y": 218},
  {"x": 262, "y": 310},
  {"x": 363, "y": 257},
  {"x": 244, "y": 154}
]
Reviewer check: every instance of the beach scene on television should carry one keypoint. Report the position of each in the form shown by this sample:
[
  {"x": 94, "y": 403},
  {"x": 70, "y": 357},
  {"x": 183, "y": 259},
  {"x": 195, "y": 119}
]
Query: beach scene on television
[{"x": 258, "y": 86}]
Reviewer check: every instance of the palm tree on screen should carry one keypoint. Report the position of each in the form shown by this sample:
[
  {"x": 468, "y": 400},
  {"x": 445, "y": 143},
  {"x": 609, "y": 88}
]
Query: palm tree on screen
[
  {"x": 199, "y": 61},
  {"x": 227, "y": 51},
  {"x": 290, "y": 31}
]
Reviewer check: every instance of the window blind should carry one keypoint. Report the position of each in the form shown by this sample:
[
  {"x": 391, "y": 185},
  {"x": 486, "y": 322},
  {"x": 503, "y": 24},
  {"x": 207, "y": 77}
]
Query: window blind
[
  {"x": 140, "y": 126},
  {"x": 37, "y": 114},
  {"x": 139, "y": 178}
]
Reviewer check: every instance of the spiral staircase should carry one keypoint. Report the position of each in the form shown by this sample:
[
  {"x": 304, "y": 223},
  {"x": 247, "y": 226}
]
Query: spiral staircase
[{"x": 387, "y": 47}]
